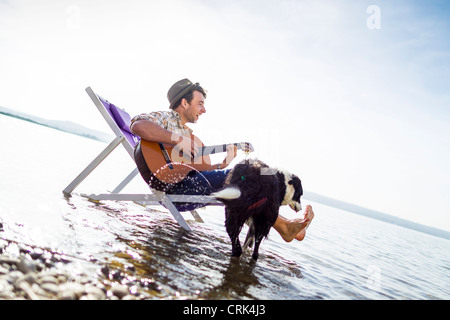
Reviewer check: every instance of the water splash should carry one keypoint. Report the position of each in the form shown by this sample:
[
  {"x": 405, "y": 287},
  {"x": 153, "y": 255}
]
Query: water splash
[{"x": 180, "y": 176}]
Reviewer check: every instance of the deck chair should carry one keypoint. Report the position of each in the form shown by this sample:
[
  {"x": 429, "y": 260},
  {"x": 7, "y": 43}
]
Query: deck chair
[{"x": 119, "y": 122}]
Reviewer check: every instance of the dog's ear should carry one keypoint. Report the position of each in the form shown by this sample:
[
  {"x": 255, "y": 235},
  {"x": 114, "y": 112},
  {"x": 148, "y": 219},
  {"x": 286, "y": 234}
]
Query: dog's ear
[{"x": 294, "y": 179}]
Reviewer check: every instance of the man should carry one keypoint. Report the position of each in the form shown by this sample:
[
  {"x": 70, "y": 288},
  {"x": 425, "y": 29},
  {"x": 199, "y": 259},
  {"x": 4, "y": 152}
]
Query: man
[{"x": 187, "y": 104}]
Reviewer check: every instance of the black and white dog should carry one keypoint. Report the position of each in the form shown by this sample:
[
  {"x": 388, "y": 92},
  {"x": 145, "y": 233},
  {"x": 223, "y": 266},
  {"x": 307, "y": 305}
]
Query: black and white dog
[{"x": 252, "y": 194}]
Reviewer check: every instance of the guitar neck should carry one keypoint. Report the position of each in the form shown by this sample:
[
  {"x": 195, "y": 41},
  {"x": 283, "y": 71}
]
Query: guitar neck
[{"x": 223, "y": 148}]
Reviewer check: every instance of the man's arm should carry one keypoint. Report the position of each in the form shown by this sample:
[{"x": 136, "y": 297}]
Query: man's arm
[{"x": 150, "y": 131}]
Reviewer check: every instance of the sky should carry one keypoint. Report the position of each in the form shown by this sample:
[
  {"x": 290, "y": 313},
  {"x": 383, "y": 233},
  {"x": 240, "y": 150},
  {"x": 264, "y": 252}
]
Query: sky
[{"x": 352, "y": 96}]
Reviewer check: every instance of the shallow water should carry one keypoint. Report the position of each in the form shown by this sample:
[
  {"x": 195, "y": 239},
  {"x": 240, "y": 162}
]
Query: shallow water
[{"x": 344, "y": 256}]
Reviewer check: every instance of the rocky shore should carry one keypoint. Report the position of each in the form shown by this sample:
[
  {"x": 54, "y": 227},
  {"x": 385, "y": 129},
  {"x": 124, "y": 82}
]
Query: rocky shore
[{"x": 32, "y": 273}]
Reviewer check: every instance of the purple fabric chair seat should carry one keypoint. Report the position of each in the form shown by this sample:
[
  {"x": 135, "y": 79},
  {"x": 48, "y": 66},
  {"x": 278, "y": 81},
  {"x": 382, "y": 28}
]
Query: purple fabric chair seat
[{"x": 123, "y": 121}]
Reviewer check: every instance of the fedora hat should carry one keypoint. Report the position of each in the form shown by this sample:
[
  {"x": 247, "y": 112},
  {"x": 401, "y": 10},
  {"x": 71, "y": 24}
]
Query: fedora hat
[{"x": 178, "y": 90}]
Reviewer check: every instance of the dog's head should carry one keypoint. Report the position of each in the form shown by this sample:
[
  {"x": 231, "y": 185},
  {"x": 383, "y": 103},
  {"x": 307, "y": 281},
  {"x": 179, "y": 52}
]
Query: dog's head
[{"x": 293, "y": 192}]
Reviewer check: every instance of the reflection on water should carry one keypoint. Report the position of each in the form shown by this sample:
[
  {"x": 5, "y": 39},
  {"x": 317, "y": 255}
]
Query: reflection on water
[{"x": 150, "y": 248}]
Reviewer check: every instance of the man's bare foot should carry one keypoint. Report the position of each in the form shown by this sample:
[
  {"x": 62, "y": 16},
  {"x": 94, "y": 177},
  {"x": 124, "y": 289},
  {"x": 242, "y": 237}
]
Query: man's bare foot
[
  {"x": 309, "y": 215},
  {"x": 296, "y": 228}
]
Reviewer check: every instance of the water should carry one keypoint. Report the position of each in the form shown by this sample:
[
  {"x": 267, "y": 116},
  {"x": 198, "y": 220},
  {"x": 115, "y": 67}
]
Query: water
[{"x": 344, "y": 256}]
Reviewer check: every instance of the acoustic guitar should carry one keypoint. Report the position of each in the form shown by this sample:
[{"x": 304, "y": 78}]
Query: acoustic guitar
[{"x": 170, "y": 165}]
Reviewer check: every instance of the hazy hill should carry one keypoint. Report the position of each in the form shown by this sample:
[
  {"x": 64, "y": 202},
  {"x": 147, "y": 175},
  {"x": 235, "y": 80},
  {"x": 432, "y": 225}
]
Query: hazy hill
[
  {"x": 375, "y": 215},
  {"x": 66, "y": 126}
]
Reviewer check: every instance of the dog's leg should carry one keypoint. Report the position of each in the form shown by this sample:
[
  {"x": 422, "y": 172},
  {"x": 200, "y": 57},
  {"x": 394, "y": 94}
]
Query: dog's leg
[
  {"x": 236, "y": 250},
  {"x": 262, "y": 227},
  {"x": 250, "y": 238},
  {"x": 256, "y": 249},
  {"x": 258, "y": 236},
  {"x": 233, "y": 230}
]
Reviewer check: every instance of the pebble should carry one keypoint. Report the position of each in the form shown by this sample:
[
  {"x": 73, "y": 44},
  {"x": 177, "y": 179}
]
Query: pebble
[
  {"x": 119, "y": 291},
  {"x": 51, "y": 288},
  {"x": 95, "y": 293},
  {"x": 48, "y": 279},
  {"x": 36, "y": 274}
]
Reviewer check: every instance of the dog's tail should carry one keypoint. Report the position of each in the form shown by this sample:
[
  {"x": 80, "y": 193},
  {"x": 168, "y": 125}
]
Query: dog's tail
[{"x": 228, "y": 193}]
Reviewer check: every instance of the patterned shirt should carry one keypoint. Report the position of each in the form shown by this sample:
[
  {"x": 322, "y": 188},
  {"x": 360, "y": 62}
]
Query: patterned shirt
[{"x": 169, "y": 120}]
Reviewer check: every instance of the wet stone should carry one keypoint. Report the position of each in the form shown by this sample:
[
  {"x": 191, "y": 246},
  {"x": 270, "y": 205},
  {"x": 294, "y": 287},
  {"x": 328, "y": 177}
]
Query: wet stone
[
  {"x": 29, "y": 277},
  {"x": 25, "y": 266},
  {"x": 50, "y": 287},
  {"x": 36, "y": 274},
  {"x": 95, "y": 293},
  {"x": 120, "y": 291},
  {"x": 3, "y": 270},
  {"x": 48, "y": 279}
]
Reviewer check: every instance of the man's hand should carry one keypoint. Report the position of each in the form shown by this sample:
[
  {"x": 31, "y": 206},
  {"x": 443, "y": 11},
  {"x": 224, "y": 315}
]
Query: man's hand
[
  {"x": 231, "y": 154},
  {"x": 187, "y": 146}
]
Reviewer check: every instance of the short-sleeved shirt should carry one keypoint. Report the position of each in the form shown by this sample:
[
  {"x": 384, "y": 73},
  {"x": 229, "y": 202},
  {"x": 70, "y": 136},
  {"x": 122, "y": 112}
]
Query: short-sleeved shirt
[{"x": 169, "y": 120}]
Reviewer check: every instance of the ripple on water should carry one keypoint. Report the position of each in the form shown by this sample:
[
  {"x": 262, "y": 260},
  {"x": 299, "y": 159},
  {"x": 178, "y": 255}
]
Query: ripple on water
[{"x": 150, "y": 247}]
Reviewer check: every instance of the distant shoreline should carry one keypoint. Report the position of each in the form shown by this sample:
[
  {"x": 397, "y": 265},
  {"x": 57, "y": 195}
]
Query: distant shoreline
[
  {"x": 377, "y": 215},
  {"x": 66, "y": 126}
]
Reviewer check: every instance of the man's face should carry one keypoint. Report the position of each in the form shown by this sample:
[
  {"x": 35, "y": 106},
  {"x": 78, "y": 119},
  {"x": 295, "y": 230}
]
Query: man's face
[{"x": 196, "y": 108}]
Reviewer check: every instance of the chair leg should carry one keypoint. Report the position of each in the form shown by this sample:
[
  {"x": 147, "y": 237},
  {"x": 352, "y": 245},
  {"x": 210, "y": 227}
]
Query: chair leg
[
  {"x": 175, "y": 213},
  {"x": 197, "y": 216},
  {"x": 126, "y": 181}
]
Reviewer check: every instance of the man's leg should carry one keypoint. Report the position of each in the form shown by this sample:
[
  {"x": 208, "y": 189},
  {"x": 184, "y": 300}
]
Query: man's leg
[{"x": 296, "y": 228}]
